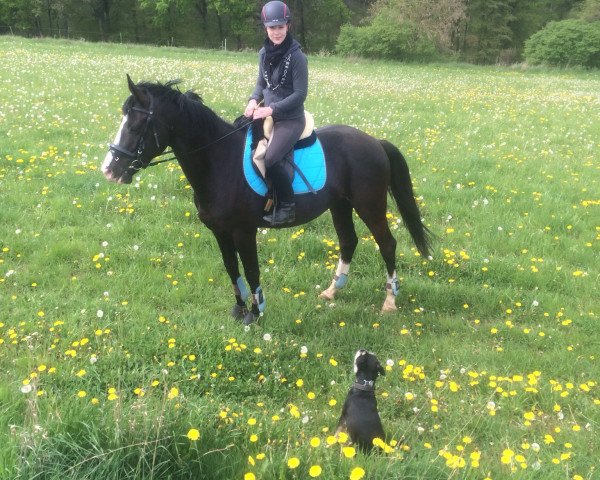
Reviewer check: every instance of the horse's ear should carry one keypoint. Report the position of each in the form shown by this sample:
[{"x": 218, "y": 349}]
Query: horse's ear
[
  {"x": 130, "y": 83},
  {"x": 139, "y": 94}
]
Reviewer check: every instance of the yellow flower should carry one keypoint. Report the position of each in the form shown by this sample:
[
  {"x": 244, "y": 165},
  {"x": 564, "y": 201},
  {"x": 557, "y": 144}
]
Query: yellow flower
[
  {"x": 174, "y": 392},
  {"x": 249, "y": 476},
  {"x": 193, "y": 434},
  {"x": 315, "y": 471},
  {"x": 349, "y": 452},
  {"x": 529, "y": 416},
  {"x": 315, "y": 442},
  {"x": 293, "y": 462},
  {"x": 357, "y": 473}
]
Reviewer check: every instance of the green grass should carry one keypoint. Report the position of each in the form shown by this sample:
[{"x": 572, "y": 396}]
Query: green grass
[{"x": 494, "y": 347}]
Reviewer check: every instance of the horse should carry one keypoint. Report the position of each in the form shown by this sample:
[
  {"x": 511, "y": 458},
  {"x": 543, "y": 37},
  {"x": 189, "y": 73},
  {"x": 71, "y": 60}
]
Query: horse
[{"x": 360, "y": 171}]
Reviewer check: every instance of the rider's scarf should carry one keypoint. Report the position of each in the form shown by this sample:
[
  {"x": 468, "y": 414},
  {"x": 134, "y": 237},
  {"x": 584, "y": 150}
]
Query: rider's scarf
[{"x": 274, "y": 54}]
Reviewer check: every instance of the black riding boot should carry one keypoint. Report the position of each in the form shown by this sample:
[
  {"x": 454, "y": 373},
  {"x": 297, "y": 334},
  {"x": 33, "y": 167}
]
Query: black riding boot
[{"x": 284, "y": 210}]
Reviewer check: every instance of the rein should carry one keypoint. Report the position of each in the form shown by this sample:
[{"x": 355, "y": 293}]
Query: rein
[
  {"x": 137, "y": 164},
  {"x": 168, "y": 152}
]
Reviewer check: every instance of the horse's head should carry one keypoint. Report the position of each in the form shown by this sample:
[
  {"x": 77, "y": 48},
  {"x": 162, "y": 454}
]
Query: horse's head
[{"x": 140, "y": 138}]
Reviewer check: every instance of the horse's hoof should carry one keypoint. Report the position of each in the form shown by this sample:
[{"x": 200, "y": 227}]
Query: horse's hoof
[
  {"x": 327, "y": 295},
  {"x": 238, "y": 312},
  {"x": 388, "y": 308},
  {"x": 249, "y": 318}
]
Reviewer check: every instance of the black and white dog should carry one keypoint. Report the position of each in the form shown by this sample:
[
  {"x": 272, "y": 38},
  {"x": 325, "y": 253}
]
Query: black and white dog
[{"x": 360, "y": 418}]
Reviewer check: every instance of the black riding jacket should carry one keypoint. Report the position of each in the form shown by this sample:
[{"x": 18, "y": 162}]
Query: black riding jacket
[{"x": 287, "y": 88}]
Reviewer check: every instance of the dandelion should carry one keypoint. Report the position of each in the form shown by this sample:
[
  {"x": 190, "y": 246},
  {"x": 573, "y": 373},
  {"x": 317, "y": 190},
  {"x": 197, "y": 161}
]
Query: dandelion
[
  {"x": 249, "y": 476},
  {"x": 315, "y": 471},
  {"x": 349, "y": 452},
  {"x": 26, "y": 388},
  {"x": 293, "y": 462},
  {"x": 357, "y": 473},
  {"x": 193, "y": 434},
  {"x": 315, "y": 442}
]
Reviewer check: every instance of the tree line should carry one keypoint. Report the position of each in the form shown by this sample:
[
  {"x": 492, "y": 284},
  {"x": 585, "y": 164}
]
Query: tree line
[{"x": 477, "y": 31}]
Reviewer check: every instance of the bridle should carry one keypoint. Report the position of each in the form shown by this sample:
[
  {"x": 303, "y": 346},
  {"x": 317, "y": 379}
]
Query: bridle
[
  {"x": 137, "y": 164},
  {"x": 118, "y": 151}
]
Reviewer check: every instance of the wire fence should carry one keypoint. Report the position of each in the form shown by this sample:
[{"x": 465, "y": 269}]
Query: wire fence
[{"x": 156, "y": 38}]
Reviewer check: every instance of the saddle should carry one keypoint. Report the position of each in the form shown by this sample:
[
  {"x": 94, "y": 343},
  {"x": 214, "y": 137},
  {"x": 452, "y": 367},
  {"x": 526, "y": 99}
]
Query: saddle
[
  {"x": 308, "y": 160},
  {"x": 262, "y": 136}
]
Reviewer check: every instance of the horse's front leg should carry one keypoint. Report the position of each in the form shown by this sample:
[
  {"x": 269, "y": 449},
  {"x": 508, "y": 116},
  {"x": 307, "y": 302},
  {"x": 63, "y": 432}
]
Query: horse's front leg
[
  {"x": 245, "y": 244},
  {"x": 228, "y": 252}
]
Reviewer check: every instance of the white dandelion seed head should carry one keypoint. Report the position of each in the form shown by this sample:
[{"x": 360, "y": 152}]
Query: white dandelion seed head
[
  {"x": 267, "y": 337},
  {"x": 304, "y": 349},
  {"x": 26, "y": 388},
  {"x": 99, "y": 313}
]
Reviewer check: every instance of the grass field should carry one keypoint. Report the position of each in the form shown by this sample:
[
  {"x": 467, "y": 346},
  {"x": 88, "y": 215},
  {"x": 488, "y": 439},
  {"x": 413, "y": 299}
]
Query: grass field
[{"x": 118, "y": 358}]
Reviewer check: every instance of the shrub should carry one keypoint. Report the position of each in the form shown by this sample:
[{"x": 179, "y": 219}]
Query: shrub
[
  {"x": 385, "y": 39},
  {"x": 569, "y": 42}
]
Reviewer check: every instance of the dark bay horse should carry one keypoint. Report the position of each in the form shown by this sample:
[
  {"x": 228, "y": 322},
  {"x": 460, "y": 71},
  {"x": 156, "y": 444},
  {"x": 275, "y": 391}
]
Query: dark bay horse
[{"x": 360, "y": 171}]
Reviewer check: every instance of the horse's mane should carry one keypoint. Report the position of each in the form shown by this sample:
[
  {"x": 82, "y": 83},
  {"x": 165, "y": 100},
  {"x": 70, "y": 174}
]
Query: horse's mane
[{"x": 196, "y": 114}]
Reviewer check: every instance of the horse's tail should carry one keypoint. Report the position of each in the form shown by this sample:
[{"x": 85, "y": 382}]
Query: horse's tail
[{"x": 402, "y": 191}]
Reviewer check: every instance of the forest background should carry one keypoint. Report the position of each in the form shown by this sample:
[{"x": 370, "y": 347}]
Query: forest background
[{"x": 475, "y": 31}]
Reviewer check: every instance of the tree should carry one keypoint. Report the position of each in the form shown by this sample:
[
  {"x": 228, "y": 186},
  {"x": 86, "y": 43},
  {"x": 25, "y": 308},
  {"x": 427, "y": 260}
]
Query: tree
[
  {"x": 440, "y": 20},
  {"x": 488, "y": 31},
  {"x": 565, "y": 43},
  {"x": 101, "y": 10},
  {"x": 589, "y": 11}
]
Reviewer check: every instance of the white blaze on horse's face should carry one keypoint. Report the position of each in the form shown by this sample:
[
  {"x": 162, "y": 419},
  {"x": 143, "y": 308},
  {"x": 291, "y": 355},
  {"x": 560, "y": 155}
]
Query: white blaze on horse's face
[{"x": 108, "y": 159}]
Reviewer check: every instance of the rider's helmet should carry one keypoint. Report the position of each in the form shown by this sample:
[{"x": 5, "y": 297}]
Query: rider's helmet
[{"x": 275, "y": 13}]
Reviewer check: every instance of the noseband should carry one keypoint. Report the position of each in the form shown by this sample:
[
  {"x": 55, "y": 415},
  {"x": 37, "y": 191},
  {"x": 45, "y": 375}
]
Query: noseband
[{"x": 118, "y": 151}]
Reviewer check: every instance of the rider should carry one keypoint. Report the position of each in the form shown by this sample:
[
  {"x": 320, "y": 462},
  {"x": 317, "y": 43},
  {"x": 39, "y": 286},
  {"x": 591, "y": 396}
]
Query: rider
[{"x": 282, "y": 84}]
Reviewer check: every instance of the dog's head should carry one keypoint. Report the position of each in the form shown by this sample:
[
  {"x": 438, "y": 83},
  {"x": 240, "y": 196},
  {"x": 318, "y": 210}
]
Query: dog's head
[{"x": 367, "y": 365}]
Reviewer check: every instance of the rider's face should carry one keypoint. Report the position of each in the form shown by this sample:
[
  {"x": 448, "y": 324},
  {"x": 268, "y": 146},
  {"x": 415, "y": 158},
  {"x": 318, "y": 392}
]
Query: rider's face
[{"x": 277, "y": 33}]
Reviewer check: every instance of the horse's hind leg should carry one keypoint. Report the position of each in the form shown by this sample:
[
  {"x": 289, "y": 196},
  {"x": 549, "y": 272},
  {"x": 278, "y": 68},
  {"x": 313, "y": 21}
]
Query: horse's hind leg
[
  {"x": 341, "y": 213},
  {"x": 375, "y": 219},
  {"x": 228, "y": 252}
]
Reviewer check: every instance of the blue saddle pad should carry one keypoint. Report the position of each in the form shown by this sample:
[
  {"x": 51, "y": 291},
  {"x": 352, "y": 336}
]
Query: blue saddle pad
[{"x": 310, "y": 160}]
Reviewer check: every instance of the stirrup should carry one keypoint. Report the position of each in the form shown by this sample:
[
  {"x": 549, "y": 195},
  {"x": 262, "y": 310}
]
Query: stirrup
[{"x": 286, "y": 213}]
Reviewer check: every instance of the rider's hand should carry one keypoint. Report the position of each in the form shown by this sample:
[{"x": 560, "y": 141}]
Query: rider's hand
[
  {"x": 250, "y": 108},
  {"x": 262, "y": 112}
]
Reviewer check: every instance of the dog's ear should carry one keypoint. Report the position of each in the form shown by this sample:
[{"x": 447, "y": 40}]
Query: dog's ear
[{"x": 380, "y": 369}]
